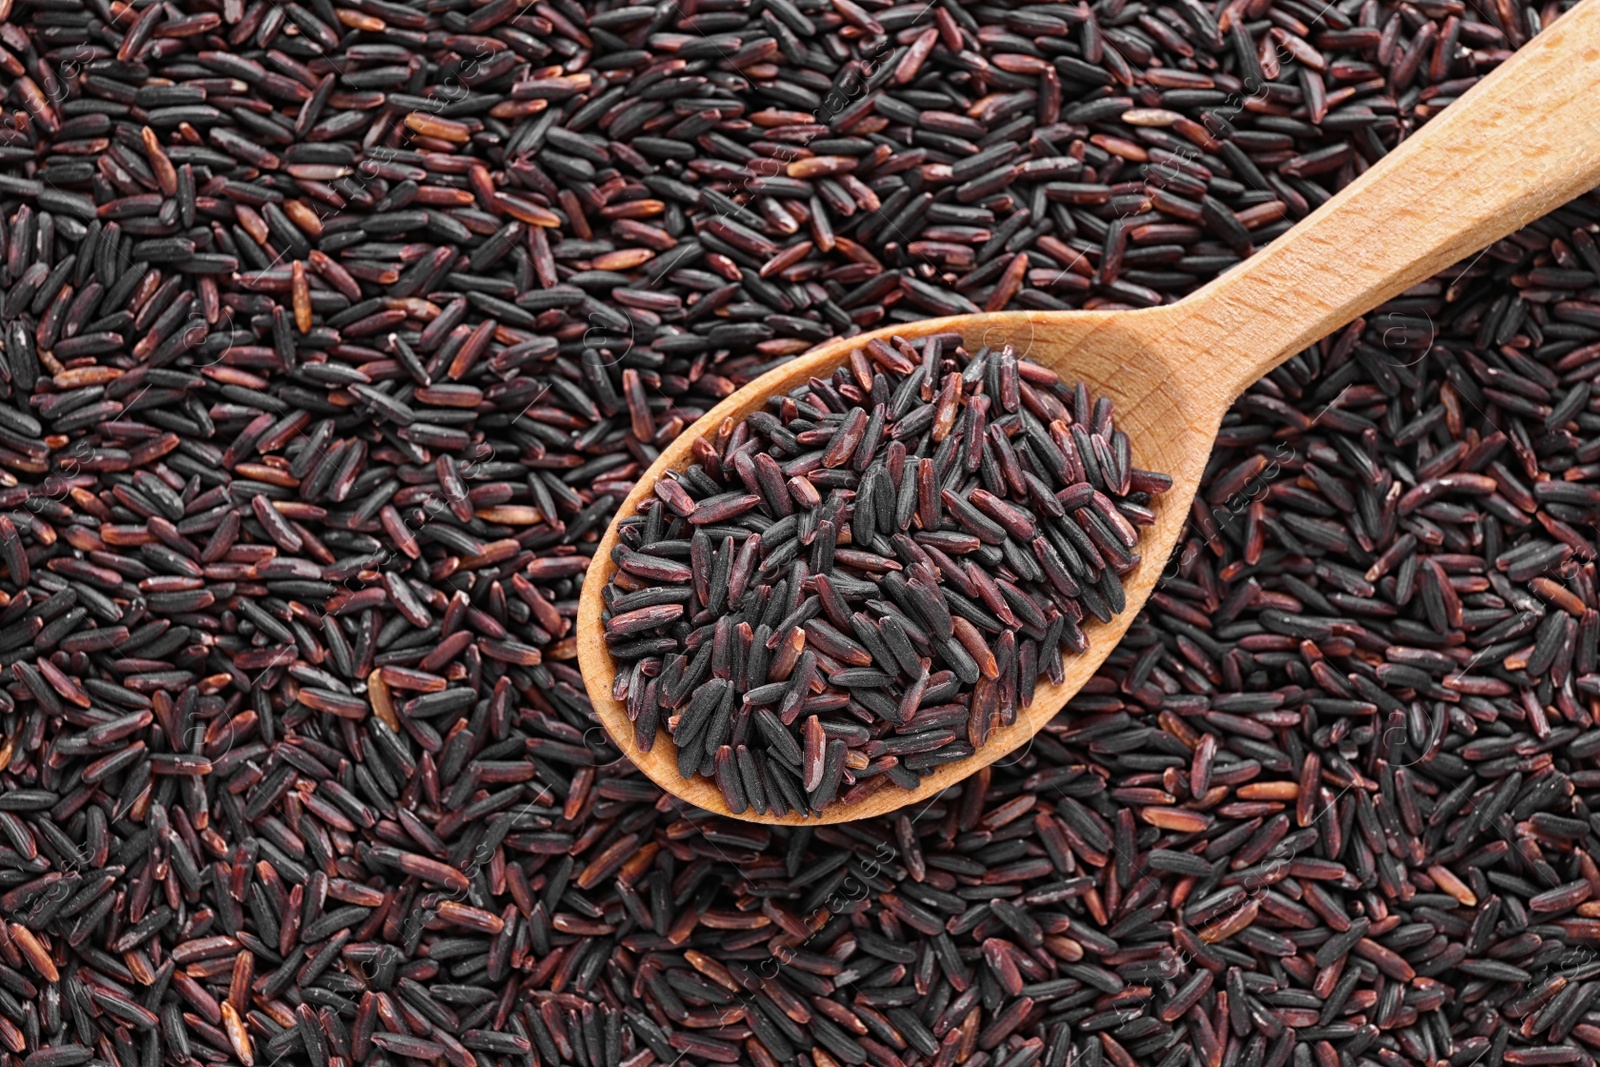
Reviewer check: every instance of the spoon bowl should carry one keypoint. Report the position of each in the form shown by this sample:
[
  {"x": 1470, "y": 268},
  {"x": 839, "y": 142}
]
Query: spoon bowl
[
  {"x": 1520, "y": 143},
  {"x": 1109, "y": 352}
]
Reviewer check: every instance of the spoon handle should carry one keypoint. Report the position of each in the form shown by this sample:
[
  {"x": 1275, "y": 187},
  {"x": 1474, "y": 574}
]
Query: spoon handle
[{"x": 1523, "y": 141}]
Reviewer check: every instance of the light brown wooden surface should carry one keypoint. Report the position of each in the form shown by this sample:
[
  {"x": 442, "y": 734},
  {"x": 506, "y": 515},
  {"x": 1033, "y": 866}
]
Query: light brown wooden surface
[{"x": 1523, "y": 141}]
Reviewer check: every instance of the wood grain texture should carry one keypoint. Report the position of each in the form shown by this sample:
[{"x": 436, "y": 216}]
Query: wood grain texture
[{"x": 1520, "y": 143}]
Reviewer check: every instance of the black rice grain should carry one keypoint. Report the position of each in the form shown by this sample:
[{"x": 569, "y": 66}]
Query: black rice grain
[{"x": 862, "y": 694}]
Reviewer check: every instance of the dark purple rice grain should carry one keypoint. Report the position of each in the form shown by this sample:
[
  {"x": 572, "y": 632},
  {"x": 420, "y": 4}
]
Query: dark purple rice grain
[{"x": 862, "y": 673}]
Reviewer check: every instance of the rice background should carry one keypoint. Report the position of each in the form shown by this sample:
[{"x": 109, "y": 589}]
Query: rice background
[{"x": 333, "y": 333}]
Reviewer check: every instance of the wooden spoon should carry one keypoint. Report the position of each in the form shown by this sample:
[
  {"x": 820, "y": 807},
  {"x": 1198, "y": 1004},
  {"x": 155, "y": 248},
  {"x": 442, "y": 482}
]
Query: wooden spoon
[{"x": 1520, "y": 143}]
